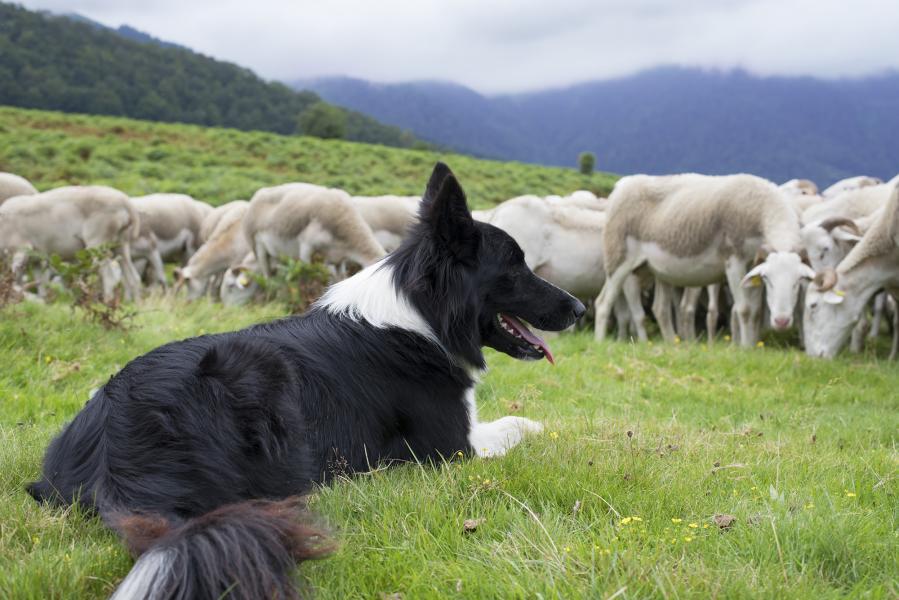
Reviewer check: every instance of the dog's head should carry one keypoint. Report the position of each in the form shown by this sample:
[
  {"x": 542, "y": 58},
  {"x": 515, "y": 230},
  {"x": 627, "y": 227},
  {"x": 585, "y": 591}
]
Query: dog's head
[{"x": 470, "y": 282}]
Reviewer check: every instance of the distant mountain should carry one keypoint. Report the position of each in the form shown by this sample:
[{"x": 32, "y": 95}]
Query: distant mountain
[
  {"x": 664, "y": 120},
  {"x": 73, "y": 64}
]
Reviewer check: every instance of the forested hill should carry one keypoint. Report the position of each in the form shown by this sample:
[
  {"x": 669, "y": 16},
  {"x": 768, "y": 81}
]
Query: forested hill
[{"x": 58, "y": 63}]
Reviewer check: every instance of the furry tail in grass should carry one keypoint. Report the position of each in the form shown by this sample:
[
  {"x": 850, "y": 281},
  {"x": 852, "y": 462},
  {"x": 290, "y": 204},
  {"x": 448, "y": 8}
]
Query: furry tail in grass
[{"x": 243, "y": 551}]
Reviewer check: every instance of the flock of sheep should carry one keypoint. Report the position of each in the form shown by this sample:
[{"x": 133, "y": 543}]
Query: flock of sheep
[{"x": 787, "y": 255}]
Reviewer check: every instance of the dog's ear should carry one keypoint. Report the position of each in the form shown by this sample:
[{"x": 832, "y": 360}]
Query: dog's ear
[{"x": 445, "y": 213}]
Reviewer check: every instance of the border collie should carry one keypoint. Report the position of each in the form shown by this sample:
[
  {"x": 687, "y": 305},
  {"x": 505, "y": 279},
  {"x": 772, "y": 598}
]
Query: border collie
[{"x": 197, "y": 451}]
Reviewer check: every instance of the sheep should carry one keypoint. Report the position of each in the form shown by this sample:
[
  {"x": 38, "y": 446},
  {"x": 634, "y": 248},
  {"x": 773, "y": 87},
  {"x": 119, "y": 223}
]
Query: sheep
[
  {"x": 850, "y": 183},
  {"x": 803, "y": 194},
  {"x": 580, "y": 199},
  {"x": 299, "y": 220},
  {"x": 176, "y": 220},
  {"x": 563, "y": 244},
  {"x": 13, "y": 185},
  {"x": 852, "y": 204},
  {"x": 389, "y": 217},
  {"x": 800, "y": 187},
  {"x": 226, "y": 246},
  {"x": 837, "y": 298},
  {"x": 238, "y": 286},
  {"x": 68, "y": 219},
  {"x": 697, "y": 230}
]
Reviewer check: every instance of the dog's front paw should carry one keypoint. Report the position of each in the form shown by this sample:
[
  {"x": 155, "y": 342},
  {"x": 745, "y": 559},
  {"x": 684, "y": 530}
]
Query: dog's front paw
[{"x": 498, "y": 437}]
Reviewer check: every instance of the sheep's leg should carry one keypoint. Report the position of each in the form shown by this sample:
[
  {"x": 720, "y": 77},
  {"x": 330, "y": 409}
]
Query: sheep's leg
[
  {"x": 158, "y": 268},
  {"x": 606, "y": 299},
  {"x": 686, "y": 320},
  {"x": 622, "y": 317},
  {"x": 132, "y": 280},
  {"x": 711, "y": 317},
  {"x": 661, "y": 308},
  {"x": 262, "y": 258},
  {"x": 894, "y": 309},
  {"x": 879, "y": 302},
  {"x": 746, "y": 303},
  {"x": 632, "y": 293},
  {"x": 110, "y": 277},
  {"x": 857, "y": 341}
]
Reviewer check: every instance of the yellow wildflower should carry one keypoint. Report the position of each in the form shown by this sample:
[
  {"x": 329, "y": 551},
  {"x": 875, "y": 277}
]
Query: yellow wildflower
[
  {"x": 760, "y": 344},
  {"x": 625, "y": 521},
  {"x": 693, "y": 525},
  {"x": 850, "y": 494},
  {"x": 688, "y": 539},
  {"x": 675, "y": 520},
  {"x": 809, "y": 505},
  {"x": 726, "y": 338},
  {"x": 554, "y": 435}
]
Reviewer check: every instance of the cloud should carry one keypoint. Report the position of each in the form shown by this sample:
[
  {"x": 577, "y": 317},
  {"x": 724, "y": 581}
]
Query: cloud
[{"x": 512, "y": 45}]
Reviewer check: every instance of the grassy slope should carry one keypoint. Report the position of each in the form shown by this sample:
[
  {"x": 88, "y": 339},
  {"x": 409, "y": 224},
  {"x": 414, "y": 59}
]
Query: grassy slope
[
  {"x": 219, "y": 165},
  {"x": 806, "y": 449}
]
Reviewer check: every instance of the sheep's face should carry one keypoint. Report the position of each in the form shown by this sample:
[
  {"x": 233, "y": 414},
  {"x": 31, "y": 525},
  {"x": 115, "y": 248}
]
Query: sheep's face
[
  {"x": 782, "y": 274},
  {"x": 822, "y": 249},
  {"x": 828, "y": 320},
  {"x": 238, "y": 287}
]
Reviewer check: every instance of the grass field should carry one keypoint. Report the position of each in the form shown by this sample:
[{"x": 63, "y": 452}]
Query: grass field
[
  {"x": 644, "y": 445},
  {"x": 219, "y": 165}
]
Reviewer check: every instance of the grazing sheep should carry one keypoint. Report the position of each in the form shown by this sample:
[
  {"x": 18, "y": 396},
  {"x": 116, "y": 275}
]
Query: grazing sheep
[
  {"x": 850, "y": 183},
  {"x": 299, "y": 220},
  {"x": 226, "y": 246},
  {"x": 837, "y": 299},
  {"x": 563, "y": 245},
  {"x": 853, "y": 204},
  {"x": 696, "y": 230},
  {"x": 800, "y": 187},
  {"x": 389, "y": 217},
  {"x": 212, "y": 218},
  {"x": 13, "y": 185},
  {"x": 238, "y": 286},
  {"x": 68, "y": 219},
  {"x": 176, "y": 220},
  {"x": 580, "y": 199}
]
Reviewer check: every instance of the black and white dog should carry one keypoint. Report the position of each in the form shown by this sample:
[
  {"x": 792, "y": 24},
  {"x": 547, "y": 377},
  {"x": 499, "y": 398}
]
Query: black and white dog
[{"x": 197, "y": 450}]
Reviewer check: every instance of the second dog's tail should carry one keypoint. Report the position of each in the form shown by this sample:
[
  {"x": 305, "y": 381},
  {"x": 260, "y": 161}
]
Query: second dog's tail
[{"x": 240, "y": 551}]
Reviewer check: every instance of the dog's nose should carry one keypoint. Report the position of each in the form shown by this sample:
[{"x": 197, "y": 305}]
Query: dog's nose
[{"x": 579, "y": 309}]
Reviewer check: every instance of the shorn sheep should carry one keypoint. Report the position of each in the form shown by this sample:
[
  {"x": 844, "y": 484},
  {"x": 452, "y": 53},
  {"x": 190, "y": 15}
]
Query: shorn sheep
[
  {"x": 300, "y": 220},
  {"x": 850, "y": 183},
  {"x": 389, "y": 217},
  {"x": 12, "y": 185},
  {"x": 68, "y": 219},
  {"x": 176, "y": 220},
  {"x": 837, "y": 298},
  {"x": 225, "y": 247},
  {"x": 695, "y": 230},
  {"x": 562, "y": 243}
]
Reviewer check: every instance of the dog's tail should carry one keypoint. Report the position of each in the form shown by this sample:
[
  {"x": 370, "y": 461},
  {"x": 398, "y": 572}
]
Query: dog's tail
[{"x": 240, "y": 551}]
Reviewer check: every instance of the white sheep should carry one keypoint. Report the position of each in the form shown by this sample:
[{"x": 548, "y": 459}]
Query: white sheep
[
  {"x": 389, "y": 217},
  {"x": 14, "y": 185},
  {"x": 562, "y": 243},
  {"x": 68, "y": 219},
  {"x": 300, "y": 220},
  {"x": 837, "y": 299},
  {"x": 225, "y": 247},
  {"x": 850, "y": 183},
  {"x": 852, "y": 204},
  {"x": 696, "y": 230},
  {"x": 176, "y": 220}
]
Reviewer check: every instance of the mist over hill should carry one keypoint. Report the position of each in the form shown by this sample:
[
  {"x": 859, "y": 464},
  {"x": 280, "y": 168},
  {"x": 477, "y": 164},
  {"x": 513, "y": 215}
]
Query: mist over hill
[{"x": 663, "y": 120}]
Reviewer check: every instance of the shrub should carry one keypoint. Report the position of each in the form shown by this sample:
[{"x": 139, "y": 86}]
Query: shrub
[
  {"x": 586, "y": 162},
  {"x": 295, "y": 283}
]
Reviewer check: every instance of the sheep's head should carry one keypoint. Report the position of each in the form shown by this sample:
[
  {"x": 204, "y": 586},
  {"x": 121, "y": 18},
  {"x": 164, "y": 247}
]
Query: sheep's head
[
  {"x": 827, "y": 242},
  {"x": 782, "y": 274},
  {"x": 830, "y": 313}
]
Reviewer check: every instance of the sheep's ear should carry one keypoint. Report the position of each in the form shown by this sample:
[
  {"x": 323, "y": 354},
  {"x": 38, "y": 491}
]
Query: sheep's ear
[
  {"x": 833, "y": 296},
  {"x": 754, "y": 277},
  {"x": 444, "y": 212},
  {"x": 806, "y": 272},
  {"x": 842, "y": 235}
]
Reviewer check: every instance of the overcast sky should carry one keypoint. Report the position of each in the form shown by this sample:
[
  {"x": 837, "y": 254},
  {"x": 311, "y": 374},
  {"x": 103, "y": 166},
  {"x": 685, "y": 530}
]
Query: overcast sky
[{"x": 514, "y": 45}]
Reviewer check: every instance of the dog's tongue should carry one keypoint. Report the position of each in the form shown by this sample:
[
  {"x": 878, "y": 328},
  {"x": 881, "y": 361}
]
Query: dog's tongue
[{"x": 528, "y": 336}]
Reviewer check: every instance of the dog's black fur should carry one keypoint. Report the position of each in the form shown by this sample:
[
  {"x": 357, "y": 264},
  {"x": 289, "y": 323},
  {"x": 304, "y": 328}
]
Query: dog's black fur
[{"x": 265, "y": 412}]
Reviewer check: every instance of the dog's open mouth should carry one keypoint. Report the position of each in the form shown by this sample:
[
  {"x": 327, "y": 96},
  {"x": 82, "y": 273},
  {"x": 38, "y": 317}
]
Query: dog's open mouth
[{"x": 523, "y": 337}]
